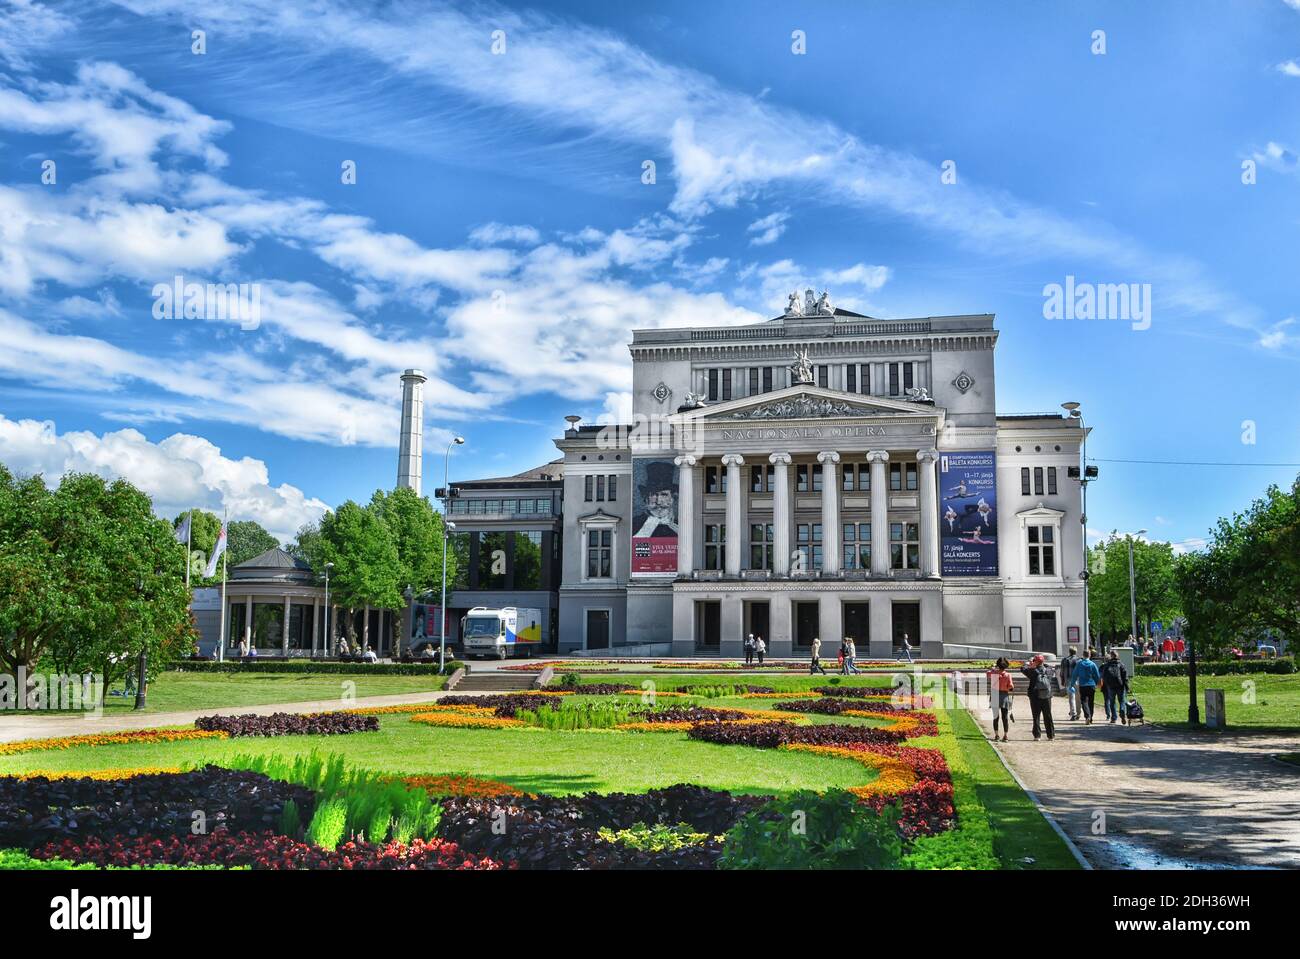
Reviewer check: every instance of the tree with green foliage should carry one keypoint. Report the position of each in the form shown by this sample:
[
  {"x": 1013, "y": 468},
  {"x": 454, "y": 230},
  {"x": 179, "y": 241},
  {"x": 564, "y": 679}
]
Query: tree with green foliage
[
  {"x": 367, "y": 570},
  {"x": 1154, "y": 581},
  {"x": 246, "y": 539},
  {"x": 89, "y": 577},
  {"x": 417, "y": 531},
  {"x": 1246, "y": 583},
  {"x": 306, "y": 546}
]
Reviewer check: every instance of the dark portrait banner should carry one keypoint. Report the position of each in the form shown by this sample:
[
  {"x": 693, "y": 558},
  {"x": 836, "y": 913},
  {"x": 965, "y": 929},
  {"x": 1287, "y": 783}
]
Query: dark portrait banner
[
  {"x": 968, "y": 513},
  {"x": 654, "y": 517}
]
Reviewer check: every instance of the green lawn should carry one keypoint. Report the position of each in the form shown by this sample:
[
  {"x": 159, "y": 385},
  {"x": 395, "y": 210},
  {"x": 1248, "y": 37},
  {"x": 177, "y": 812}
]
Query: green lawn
[
  {"x": 1275, "y": 705},
  {"x": 174, "y": 691}
]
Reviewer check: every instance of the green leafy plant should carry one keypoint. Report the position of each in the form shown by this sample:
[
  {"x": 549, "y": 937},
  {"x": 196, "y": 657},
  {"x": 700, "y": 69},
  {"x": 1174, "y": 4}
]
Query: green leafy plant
[
  {"x": 807, "y": 830},
  {"x": 290, "y": 820},
  {"x": 656, "y": 838},
  {"x": 328, "y": 824}
]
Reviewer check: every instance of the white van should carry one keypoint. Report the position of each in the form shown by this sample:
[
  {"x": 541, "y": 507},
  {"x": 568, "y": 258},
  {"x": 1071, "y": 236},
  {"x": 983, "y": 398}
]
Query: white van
[{"x": 502, "y": 632}]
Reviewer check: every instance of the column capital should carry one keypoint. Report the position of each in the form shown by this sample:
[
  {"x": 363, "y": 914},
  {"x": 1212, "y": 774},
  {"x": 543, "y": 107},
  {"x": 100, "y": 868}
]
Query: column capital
[
  {"x": 686, "y": 459},
  {"x": 828, "y": 456},
  {"x": 927, "y": 456},
  {"x": 781, "y": 458},
  {"x": 733, "y": 459},
  {"x": 877, "y": 456}
]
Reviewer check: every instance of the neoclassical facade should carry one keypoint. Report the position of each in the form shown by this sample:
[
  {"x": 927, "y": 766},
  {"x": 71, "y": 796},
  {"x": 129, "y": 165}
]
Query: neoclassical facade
[{"x": 823, "y": 474}]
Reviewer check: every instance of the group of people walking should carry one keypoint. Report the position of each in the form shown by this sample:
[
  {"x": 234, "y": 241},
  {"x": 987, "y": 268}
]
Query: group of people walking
[
  {"x": 1079, "y": 675},
  {"x": 754, "y": 648},
  {"x": 847, "y": 655}
]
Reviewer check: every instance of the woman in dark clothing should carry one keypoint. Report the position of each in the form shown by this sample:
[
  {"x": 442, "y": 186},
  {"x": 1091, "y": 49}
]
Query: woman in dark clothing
[{"x": 1040, "y": 696}]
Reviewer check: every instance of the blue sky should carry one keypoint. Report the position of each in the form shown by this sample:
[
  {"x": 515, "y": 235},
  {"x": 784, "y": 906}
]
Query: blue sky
[{"x": 500, "y": 237}]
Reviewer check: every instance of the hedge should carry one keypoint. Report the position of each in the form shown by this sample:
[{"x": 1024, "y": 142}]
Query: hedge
[
  {"x": 1222, "y": 667},
  {"x": 315, "y": 666}
]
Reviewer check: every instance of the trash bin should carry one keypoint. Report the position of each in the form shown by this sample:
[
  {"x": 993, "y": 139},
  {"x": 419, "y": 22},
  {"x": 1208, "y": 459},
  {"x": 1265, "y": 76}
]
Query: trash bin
[{"x": 1215, "y": 717}]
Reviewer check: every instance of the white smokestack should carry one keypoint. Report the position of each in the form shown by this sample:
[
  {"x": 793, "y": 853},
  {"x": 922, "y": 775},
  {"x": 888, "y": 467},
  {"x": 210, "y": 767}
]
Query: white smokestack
[{"x": 410, "y": 456}]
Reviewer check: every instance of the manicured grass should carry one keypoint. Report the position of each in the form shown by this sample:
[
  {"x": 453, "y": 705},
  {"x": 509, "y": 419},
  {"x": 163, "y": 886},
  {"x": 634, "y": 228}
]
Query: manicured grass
[
  {"x": 533, "y": 759},
  {"x": 1019, "y": 829},
  {"x": 175, "y": 691},
  {"x": 1275, "y": 706}
]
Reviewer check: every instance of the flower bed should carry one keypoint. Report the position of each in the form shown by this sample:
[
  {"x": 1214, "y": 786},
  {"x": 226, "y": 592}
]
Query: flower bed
[
  {"x": 107, "y": 739},
  {"x": 100, "y": 774},
  {"x": 901, "y": 719},
  {"x": 39, "y": 810},
  {"x": 769, "y": 734},
  {"x": 289, "y": 724},
  {"x": 261, "y": 850},
  {"x": 462, "y": 720},
  {"x": 474, "y": 787}
]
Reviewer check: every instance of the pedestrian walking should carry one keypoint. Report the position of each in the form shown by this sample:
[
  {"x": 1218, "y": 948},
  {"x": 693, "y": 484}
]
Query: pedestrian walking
[
  {"x": 1114, "y": 688},
  {"x": 840, "y": 660},
  {"x": 1086, "y": 677},
  {"x": 1000, "y": 690},
  {"x": 760, "y": 648},
  {"x": 907, "y": 647},
  {"x": 816, "y": 665},
  {"x": 1180, "y": 649},
  {"x": 1040, "y": 696},
  {"x": 850, "y": 654},
  {"x": 1066, "y": 679},
  {"x": 749, "y": 650},
  {"x": 1167, "y": 650}
]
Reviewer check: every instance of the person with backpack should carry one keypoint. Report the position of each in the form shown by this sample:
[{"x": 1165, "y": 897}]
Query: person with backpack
[
  {"x": 1086, "y": 677},
  {"x": 1066, "y": 676},
  {"x": 1000, "y": 689},
  {"x": 1040, "y": 696},
  {"x": 1114, "y": 688},
  {"x": 816, "y": 665}
]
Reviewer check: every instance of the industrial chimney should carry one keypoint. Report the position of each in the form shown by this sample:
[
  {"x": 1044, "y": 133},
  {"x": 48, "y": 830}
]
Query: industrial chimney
[{"x": 410, "y": 455}]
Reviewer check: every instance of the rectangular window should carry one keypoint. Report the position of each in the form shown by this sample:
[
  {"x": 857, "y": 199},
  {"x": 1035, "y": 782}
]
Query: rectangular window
[
  {"x": 809, "y": 544},
  {"x": 902, "y": 476},
  {"x": 846, "y": 478},
  {"x": 528, "y": 506},
  {"x": 753, "y": 380},
  {"x": 492, "y": 506},
  {"x": 857, "y": 546},
  {"x": 866, "y": 378},
  {"x": 612, "y": 487},
  {"x": 801, "y": 478},
  {"x": 1038, "y": 481},
  {"x": 756, "y": 479},
  {"x": 1051, "y": 480},
  {"x": 599, "y": 553},
  {"x": 864, "y": 477},
  {"x": 600, "y": 489},
  {"x": 1024, "y": 481},
  {"x": 760, "y": 545},
  {"x": 767, "y": 379},
  {"x": 715, "y": 479},
  {"x": 510, "y": 506},
  {"x": 851, "y": 378},
  {"x": 823, "y": 376},
  {"x": 544, "y": 506},
  {"x": 907, "y": 376},
  {"x": 726, "y": 384},
  {"x": 715, "y": 539},
  {"x": 713, "y": 384},
  {"x": 1042, "y": 550},
  {"x": 893, "y": 379},
  {"x": 817, "y": 478},
  {"x": 588, "y": 488},
  {"x": 905, "y": 545}
]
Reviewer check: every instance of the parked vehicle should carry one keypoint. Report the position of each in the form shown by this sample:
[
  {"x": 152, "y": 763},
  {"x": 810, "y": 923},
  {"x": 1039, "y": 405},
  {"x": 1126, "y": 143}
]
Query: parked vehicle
[{"x": 509, "y": 631}]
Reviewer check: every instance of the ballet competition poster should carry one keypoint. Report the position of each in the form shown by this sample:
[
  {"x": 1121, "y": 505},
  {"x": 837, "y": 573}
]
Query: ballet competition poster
[{"x": 968, "y": 513}]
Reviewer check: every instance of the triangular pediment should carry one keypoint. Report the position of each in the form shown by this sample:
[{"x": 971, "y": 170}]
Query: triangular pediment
[{"x": 808, "y": 402}]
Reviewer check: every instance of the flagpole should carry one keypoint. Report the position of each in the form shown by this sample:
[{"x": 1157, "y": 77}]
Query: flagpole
[{"x": 189, "y": 530}]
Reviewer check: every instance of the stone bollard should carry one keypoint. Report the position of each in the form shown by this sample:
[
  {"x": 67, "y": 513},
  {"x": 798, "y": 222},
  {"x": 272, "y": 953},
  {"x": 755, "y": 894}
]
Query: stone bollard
[{"x": 1215, "y": 717}]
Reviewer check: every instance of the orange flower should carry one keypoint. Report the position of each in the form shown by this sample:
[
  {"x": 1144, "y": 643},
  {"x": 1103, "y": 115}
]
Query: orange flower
[
  {"x": 460, "y": 720},
  {"x": 98, "y": 774},
  {"x": 473, "y": 787},
  {"x": 108, "y": 739}
]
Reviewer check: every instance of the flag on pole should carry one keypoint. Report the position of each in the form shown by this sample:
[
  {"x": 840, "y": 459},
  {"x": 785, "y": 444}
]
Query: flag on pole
[
  {"x": 183, "y": 531},
  {"x": 216, "y": 553}
]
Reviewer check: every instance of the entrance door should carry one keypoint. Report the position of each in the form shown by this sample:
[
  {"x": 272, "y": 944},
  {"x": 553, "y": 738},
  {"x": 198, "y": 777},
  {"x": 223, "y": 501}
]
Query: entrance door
[
  {"x": 757, "y": 619},
  {"x": 1042, "y": 630},
  {"x": 857, "y": 625},
  {"x": 598, "y": 629},
  {"x": 807, "y": 623},
  {"x": 708, "y": 625},
  {"x": 907, "y": 619}
]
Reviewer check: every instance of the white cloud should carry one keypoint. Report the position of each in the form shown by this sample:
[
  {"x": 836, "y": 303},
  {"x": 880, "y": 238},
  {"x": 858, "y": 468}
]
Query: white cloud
[
  {"x": 1277, "y": 336},
  {"x": 1290, "y": 68},
  {"x": 490, "y": 233},
  {"x": 850, "y": 287},
  {"x": 1277, "y": 157},
  {"x": 768, "y": 229},
  {"x": 181, "y": 472},
  {"x": 27, "y": 26}
]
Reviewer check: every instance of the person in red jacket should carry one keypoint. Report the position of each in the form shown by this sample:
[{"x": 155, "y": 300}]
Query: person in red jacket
[
  {"x": 1179, "y": 649},
  {"x": 1167, "y": 650}
]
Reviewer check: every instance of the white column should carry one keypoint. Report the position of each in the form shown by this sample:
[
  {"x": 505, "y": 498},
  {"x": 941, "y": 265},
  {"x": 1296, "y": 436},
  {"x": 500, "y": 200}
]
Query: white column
[
  {"x": 735, "y": 504},
  {"x": 830, "y": 511},
  {"x": 925, "y": 463},
  {"x": 284, "y": 629},
  {"x": 315, "y": 622},
  {"x": 685, "y": 514},
  {"x": 781, "y": 516},
  {"x": 248, "y": 620},
  {"x": 879, "y": 512}
]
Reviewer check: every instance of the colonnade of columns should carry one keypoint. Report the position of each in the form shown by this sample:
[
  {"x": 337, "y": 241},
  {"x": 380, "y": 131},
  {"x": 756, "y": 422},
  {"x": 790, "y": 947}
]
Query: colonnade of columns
[{"x": 782, "y": 507}]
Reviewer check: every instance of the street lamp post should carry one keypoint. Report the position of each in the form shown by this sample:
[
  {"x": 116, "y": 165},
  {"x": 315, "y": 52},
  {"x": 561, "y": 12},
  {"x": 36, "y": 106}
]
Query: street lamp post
[
  {"x": 1193, "y": 710},
  {"x": 446, "y": 527},
  {"x": 1132, "y": 592},
  {"x": 142, "y": 661},
  {"x": 1085, "y": 477},
  {"x": 328, "y": 645}
]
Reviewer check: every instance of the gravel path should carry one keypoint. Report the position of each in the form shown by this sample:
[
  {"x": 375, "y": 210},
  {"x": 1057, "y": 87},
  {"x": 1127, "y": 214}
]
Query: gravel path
[{"x": 1171, "y": 798}]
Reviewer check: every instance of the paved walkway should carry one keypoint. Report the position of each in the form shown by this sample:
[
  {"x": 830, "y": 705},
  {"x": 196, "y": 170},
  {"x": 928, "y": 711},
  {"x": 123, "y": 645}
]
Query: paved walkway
[
  {"x": 13, "y": 727},
  {"x": 1171, "y": 798}
]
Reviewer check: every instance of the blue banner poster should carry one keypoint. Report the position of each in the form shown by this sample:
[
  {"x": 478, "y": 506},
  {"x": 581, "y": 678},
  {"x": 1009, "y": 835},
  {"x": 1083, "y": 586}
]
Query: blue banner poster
[{"x": 968, "y": 513}]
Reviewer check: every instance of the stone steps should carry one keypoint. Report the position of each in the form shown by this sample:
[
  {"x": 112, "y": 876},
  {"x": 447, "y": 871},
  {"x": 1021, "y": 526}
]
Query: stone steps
[{"x": 496, "y": 681}]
